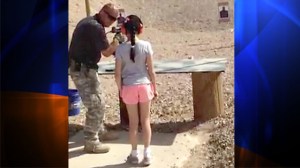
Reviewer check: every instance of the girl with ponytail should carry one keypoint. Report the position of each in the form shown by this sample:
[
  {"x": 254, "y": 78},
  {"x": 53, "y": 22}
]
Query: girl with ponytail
[{"x": 135, "y": 78}]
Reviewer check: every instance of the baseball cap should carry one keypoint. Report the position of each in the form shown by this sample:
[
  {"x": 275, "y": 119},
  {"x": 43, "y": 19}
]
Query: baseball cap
[{"x": 111, "y": 10}]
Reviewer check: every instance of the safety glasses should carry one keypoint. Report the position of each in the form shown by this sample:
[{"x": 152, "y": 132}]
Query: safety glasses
[{"x": 110, "y": 16}]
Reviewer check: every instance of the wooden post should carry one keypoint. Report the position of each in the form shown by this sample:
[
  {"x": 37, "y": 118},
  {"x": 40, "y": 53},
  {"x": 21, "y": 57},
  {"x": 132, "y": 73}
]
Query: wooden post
[
  {"x": 207, "y": 95},
  {"x": 123, "y": 114},
  {"x": 87, "y": 8}
]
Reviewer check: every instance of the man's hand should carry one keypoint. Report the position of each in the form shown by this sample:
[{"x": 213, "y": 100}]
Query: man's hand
[
  {"x": 119, "y": 37},
  {"x": 155, "y": 95},
  {"x": 111, "y": 49}
]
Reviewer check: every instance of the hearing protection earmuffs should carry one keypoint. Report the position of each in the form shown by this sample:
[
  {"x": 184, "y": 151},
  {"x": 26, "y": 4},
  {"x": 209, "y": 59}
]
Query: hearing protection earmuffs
[{"x": 123, "y": 29}]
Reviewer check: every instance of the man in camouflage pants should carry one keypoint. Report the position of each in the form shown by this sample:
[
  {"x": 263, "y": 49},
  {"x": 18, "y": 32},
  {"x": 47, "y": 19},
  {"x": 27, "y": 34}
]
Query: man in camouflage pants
[{"x": 88, "y": 43}]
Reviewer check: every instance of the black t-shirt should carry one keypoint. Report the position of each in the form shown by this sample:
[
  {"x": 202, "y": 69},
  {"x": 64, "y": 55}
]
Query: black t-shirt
[{"x": 88, "y": 40}]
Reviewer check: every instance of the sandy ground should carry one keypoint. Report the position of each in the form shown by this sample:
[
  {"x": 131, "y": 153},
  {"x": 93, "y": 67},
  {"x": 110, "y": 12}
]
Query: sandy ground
[{"x": 177, "y": 29}]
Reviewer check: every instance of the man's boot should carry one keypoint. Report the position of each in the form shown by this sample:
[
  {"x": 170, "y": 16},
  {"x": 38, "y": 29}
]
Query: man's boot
[
  {"x": 95, "y": 147},
  {"x": 108, "y": 136}
]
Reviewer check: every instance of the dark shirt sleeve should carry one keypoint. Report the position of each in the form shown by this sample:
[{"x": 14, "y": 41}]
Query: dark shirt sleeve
[
  {"x": 88, "y": 40},
  {"x": 97, "y": 41},
  {"x": 100, "y": 38}
]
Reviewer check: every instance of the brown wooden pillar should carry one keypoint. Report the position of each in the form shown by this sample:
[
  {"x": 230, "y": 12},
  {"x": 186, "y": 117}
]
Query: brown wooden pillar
[
  {"x": 123, "y": 114},
  {"x": 207, "y": 95}
]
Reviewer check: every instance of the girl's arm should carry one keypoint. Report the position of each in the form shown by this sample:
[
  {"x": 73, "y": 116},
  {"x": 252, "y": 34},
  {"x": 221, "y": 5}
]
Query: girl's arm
[
  {"x": 118, "y": 71},
  {"x": 149, "y": 61}
]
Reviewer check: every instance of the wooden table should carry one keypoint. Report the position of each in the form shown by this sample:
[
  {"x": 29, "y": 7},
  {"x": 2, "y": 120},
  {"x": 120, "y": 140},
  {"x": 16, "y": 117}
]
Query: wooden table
[{"x": 206, "y": 83}]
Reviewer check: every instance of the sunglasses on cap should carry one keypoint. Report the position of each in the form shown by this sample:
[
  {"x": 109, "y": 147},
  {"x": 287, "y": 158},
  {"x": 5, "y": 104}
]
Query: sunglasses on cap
[{"x": 110, "y": 16}]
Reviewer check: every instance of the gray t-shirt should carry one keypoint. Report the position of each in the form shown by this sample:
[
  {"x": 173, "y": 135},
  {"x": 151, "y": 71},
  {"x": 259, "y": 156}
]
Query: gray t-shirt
[{"x": 134, "y": 73}]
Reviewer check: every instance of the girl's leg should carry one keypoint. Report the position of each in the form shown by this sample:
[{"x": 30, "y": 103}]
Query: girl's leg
[
  {"x": 132, "y": 110},
  {"x": 129, "y": 95},
  {"x": 145, "y": 121}
]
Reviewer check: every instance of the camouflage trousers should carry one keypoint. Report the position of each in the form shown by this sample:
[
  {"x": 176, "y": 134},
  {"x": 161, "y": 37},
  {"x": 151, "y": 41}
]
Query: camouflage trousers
[{"x": 88, "y": 85}]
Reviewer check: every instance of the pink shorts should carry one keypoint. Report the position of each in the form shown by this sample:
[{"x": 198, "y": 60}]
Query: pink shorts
[{"x": 137, "y": 93}]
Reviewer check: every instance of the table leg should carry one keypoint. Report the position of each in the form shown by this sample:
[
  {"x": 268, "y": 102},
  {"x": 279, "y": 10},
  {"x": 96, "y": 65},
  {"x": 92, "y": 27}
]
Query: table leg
[
  {"x": 123, "y": 114},
  {"x": 207, "y": 95}
]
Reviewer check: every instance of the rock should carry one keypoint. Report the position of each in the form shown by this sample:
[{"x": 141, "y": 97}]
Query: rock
[{"x": 191, "y": 57}]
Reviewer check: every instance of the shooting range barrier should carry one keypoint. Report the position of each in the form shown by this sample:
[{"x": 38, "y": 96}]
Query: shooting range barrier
[{"x": 206, "y": 83}]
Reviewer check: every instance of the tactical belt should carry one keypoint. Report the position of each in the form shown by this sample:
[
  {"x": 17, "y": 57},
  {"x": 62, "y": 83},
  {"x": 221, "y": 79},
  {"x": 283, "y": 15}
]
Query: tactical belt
[{"x": 88, "y": 66}]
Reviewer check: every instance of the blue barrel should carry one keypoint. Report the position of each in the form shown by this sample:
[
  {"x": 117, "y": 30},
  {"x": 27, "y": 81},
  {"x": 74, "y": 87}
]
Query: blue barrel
[{"x": 74, "y": 102}]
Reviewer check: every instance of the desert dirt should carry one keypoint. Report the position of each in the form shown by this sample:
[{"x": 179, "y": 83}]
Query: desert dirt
[{"x": 177, "y": 29}]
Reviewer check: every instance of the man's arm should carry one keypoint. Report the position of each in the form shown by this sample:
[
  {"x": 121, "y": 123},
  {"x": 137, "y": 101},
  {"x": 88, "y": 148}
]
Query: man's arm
[
  {"x": 111, "y": 48},
  {"x": 108, "y": 49}
]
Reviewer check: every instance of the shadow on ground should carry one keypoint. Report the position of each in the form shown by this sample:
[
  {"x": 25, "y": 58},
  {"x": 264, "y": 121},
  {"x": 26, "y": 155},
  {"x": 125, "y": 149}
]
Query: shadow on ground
[
  {"x": 167, "y": 127},
  {"x": 121, "y": 165},
  {"x": 164, "y": 134}
]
